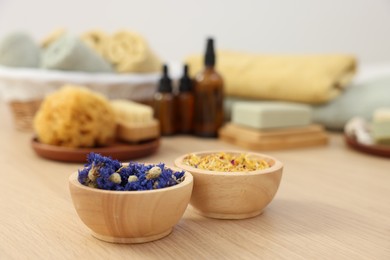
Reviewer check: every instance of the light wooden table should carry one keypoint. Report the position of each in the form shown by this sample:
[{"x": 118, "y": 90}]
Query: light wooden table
[{"x": 333, "y": 203}]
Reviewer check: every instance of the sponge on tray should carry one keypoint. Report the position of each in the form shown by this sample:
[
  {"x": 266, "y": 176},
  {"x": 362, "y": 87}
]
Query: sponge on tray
[{"x": 266, "y": 115}]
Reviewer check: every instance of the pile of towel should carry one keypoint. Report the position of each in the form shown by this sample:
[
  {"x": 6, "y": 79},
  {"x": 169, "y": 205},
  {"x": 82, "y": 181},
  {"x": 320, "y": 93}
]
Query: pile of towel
[
  {"x": 301, "y": 78},
  {"x": 93, "y": 51},
  {"x": 325, "y": 82}
]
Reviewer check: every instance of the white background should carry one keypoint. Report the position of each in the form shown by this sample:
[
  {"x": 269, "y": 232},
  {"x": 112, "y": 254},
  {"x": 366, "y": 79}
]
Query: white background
[{"x": 178, "y": 28}]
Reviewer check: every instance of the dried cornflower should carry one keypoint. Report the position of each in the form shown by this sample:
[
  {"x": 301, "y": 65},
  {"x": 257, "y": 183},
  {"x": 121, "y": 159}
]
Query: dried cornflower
[
  {"x": 105, "y": 173},
  {"x": 98, "y": 170}
]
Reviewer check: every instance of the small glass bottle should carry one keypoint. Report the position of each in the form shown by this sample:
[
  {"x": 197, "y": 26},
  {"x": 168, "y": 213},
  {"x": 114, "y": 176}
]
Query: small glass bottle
[
  {"x": 185, "y": 101},
  {"x": 163, "y": 104},
  {"x": 208, "y": 93}
]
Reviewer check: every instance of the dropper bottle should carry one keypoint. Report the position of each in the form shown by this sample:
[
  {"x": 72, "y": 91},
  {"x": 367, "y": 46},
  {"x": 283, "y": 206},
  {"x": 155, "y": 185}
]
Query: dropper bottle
[
  {"x": 185, "y": 100},
  {"x": 208, "y": 93},
  {"x": 163, "y": 104}
]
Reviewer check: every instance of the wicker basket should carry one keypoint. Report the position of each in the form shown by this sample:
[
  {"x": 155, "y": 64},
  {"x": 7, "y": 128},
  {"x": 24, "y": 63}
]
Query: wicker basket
[
  {"x": 23, "y": 113},
  {"x": 24, "y": 89}
]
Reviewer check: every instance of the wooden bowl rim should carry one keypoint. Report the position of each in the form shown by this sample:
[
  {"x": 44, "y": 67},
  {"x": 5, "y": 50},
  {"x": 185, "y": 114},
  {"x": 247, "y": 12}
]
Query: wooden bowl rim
[
  {"x": 275, "y": 167},
  {"x": 188, "y": 180}
]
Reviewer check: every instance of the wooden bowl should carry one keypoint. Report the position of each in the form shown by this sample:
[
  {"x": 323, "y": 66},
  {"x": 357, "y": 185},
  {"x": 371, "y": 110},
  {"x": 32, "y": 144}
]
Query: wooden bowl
[
  {"x": 130, "y": 216},
  {"x": 233, "y": 195}
]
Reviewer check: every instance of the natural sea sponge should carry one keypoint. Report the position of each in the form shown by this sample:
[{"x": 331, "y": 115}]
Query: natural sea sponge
[{"x": 75, "y": 117}]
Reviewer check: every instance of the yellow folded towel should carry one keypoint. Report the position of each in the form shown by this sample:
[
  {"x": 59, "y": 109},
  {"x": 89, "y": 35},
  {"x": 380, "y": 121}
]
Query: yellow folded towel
[
  {"x": 53, "y": 37},
  {"x": 129, "y": 52},
  {"x": 97, "y": 40},
  {"x": 302, "y": 78}
]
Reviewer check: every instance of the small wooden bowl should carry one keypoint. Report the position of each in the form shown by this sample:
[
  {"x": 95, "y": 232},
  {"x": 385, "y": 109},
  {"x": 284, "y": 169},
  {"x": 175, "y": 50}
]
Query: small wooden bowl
[
  {"x": 233, "y": 195},
  {"x": 130, "y": 216}
]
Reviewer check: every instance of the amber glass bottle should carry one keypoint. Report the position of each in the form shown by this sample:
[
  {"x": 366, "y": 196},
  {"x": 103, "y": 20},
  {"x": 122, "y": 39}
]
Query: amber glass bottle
[
  {"x": 185, "y": 101},
  {"x": 208, "y": 93},
  {"x": 164, "y": 103}
]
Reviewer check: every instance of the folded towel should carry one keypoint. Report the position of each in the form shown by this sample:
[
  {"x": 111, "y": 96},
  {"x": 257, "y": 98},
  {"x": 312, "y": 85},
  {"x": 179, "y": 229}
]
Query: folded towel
[
  {"x": 97, "y": 40},
  {"x": 19, "y": 50},
  {"x": 302, "y": 78},
  {"x": 70, "y": 53},
  {"x": 52, "y": 37},
  {"x": 129, "y": 52},
  {"x": 359, "y": 100}
]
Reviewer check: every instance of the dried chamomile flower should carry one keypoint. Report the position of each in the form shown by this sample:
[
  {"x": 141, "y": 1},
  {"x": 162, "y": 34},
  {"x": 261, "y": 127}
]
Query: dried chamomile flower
[{"x": 225, "y": 162}]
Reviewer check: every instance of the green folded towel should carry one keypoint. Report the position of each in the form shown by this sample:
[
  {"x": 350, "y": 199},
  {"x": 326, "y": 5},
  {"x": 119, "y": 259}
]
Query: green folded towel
[
  {"x": 361, "y": 100},
  {"x": 70, "y": 53},
  {"x": 18, "y": 49}
]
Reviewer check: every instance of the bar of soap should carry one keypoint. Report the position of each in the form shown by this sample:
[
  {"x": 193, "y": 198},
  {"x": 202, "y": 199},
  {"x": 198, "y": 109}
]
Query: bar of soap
[
  {"x": 135, "y": 121},
  {"x": 381, "y": 114},
  {"x": 381, "y": 132},
  {"x": 265, "y": 115},
  {"x": 380, "y": 126},
  {"x": 130, "y": 112}
]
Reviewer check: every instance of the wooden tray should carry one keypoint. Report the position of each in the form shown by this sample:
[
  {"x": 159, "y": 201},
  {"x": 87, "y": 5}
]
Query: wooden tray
[
  {"x": 118, "y": 151},
  {"x": 375, "y": 149}
]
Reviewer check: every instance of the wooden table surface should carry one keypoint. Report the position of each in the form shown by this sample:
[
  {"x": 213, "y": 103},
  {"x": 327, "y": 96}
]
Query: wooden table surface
[{"x": 333, "y": 203}]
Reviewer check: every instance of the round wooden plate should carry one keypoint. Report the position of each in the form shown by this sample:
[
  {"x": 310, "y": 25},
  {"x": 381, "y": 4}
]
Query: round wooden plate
[
  {"x": 381, "y": 150},
  {"x": 118, "y": 151}
]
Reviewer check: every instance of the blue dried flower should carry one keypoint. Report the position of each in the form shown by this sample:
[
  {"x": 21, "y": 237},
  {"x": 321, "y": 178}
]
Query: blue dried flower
[
  {"x": 103, "y": 160},
  {"x": 105, "y": 173},
  {"x": 83, "y": 175},
  {"x": 98, "y": 170}
]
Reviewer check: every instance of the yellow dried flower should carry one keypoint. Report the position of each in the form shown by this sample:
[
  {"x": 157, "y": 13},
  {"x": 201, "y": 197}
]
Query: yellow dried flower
[{"x": 225, "y": 162}]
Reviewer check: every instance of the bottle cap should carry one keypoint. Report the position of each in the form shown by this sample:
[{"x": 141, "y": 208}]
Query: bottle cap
[
  {"x": 165, "y": 83},
  {"x": 210, "y": 54},
  {"x": 185, "y": 81}
]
